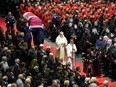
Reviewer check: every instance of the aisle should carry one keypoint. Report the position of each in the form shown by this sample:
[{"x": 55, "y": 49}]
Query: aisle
[{"x": 99, "y": 79}]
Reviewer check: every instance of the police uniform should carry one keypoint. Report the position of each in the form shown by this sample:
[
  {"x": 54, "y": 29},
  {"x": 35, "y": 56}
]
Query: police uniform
[{"x": 10, "y": 20}]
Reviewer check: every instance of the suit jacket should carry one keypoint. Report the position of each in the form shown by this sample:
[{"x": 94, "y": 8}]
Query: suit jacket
[
  {"x": 99, "y": 43},
  {"x": 16, "y": 70},
  {"x": 72, "y": 81},
  {"x": 113, "y": 54},
  {"x": 83, "y": 85},
  {"x": 78, "y": 78},
  {"x": 41, "y": 53},
  {"x": 28, "y": 85},
  {"x": 51, "y": 63},
  {"x": 11, "y": 77},
  {"x": 108, "y": 50},
  {"x": 10, "y": 19},
  {"x": 4, "y": 84},
  {"x": 103, "y": 46}
]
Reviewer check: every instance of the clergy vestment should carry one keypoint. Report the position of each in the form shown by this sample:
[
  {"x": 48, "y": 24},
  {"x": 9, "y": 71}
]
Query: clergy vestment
[
  {"x": 61, "y": 43},
  {"x": 71, "y": 49}
]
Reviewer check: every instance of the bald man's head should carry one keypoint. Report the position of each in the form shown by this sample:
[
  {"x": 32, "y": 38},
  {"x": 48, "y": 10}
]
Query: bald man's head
[{"x": 21, "y": 76}]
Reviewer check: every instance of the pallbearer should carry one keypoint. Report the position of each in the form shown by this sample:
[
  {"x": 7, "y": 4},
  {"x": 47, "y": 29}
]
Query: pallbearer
[{"x": 36, "y": 27}]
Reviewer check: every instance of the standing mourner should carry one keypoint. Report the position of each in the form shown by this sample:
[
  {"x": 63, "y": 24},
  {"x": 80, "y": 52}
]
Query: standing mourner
[
  {"x": 40, "y": 36},
  {"x": 61, "y": 43},
  {"x": 71, "y": 49},
  {"x": 2, "y": 36},
  {"x": 10, "y": 20},
  {"x": 113, "y": 63},
  {"x": 20, "y": 24},
  {"x": 70, "y": 31},
  {"x": 27, "y": 36},
  {"x": 102, "y": 51},
  {"x": 40, "y": 54},
  {"x": 89, "y": 59},
  {"x": 55, "y": 25},
  {"x": 107, "y": 58},
  {"x": 93, "y": 82}
]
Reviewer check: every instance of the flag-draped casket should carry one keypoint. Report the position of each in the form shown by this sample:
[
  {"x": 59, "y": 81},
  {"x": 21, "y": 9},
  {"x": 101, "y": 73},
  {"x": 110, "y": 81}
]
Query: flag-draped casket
[
  {"x": 33, "y": 20},
  {"x": 36, "y": 27}
]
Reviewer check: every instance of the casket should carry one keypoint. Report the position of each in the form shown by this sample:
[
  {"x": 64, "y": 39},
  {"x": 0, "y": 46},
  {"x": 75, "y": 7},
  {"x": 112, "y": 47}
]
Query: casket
[{"x": 33, "y": 20}]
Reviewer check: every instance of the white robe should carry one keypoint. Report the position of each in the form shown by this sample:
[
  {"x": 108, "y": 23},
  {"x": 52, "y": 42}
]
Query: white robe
[
  {"x": 71, "y": 49},
  {"x": 61, "y": 49}
]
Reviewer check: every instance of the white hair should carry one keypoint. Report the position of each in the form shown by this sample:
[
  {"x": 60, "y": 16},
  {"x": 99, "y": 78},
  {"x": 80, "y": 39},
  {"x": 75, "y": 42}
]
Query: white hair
[
  {"x": 9, "y": 85},
  {"x": 4, "y": 58},
  {"x": 5, "y": 48},
  {"x": 51, "y": 54},
  {"x": 66, "y": 83},
  {"x": 17, "y": 60},
  {"x": 105, "y": 83},
  {"x": 41, "y": 85},
  {"x": 61, "y": 32},
  {"x": 114, "y": 44},
  {"x": 105, "y": 38},
  {"x": 109, "y": 40},
  {"x": 28, "y": 80},
  {"x": 94, "y": 30},
  {"x": 87, "y": 80},
  {"x": 48, "y": 47},
  {"x": 41, "y": 45},
  {"x": 93, "y": 80},
  {"x": 5, "y": 77},
  {"x": 21, "y": 33}
]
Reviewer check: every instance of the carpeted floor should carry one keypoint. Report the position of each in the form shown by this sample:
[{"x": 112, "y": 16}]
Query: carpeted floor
[{"x": 99, "y": 79}]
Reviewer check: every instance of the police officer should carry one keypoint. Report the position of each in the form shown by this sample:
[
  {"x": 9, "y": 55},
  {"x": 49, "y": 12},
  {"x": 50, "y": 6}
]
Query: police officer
[
  {"x": 10, "y": 20},
  {"x": 27, "y": 35}
]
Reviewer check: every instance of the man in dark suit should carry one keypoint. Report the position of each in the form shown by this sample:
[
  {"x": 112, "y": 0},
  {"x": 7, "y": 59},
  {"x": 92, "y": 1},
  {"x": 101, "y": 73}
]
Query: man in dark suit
[
  {"x": 25, "y": 53},
  {"x": 102, "y": 51},
  {"x": 48, "y": 50},
  {"x": 107, "y": 59},
  {"x": 83, "y": 83},
  {"x": 51, "y": 61},
  {"x": 28, "y": 83},
  {"x": 16, "y": 68},
  {"x": 78, "y": 77},
  {"x": 27, "y": 36},
  {"x": 72, "y": 79},
  {"x": 55, "y": 25},
  {"x": 2, "y": 36},
  {"x": 11, "y": 76},
  {"x": 40, "y": 36},
  {"x": 64, "y": 77},
  {"x": 113, "y": 63},
  {"x": 40, "y": 54},
  {"x": 4, "y": 81}
]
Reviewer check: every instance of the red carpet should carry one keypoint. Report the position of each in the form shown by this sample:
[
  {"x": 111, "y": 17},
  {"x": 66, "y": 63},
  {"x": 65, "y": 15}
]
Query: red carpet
[{"x": 99, "y": 79}]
